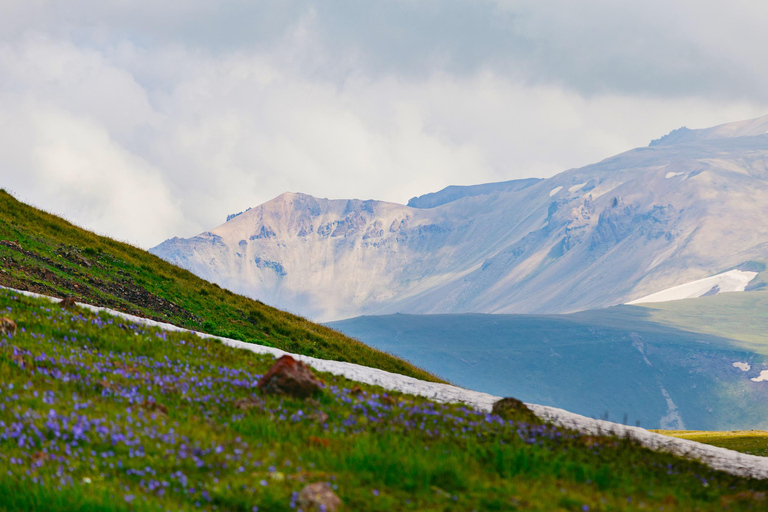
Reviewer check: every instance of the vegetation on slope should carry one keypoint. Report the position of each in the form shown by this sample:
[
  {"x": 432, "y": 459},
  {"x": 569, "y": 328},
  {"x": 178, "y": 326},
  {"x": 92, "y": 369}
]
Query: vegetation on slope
[
  {"x": 616, "y": 363},
  {"x": 43, "y": 253},
  {"x": 99, "y": 414},
  {"x": 739, "y": 317},
  {"x": 753, "y": 442}
]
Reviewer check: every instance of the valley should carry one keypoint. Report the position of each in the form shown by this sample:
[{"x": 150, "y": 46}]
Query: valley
[{"x": 695, "y": 363}]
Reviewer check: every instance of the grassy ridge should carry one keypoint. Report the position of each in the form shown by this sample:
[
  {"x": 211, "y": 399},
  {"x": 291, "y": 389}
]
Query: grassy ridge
[
  {"x": 610, "y": 363},
  {"x": 753, "y": 442},
  {"x": 43, "y": 253},
  {"x": 739, "y": 317},
  {"x": 98, "y": 414}
]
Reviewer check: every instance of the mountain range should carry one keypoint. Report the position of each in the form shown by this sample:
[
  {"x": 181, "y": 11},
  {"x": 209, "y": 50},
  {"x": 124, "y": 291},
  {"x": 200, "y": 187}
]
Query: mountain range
[{"x": 690, "y": 205}]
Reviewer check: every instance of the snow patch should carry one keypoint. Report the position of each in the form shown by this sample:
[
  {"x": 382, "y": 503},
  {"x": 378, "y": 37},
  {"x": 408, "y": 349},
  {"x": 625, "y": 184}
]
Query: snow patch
[
  {"x": 555, "y": 190},
  {"x": 731, "y": 281},
  {"x": 735, "y": 463},
  {"x": 576, "y": 188},
  {"x": 745, "y": 367},
  {"x": 763, "y": 377},
  {"x": 672, "y": 174}
]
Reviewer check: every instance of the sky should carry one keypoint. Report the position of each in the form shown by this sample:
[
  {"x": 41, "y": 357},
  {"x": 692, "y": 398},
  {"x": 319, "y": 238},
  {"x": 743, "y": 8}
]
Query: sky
[{"x": 144, "y": 120}]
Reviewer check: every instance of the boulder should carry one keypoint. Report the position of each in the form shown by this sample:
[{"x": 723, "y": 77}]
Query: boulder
[
  {"x": 319, "y": 417},
  {"x": 289, "y": 377},
  {"x": 7, "y": 327},
  {"x": 249, "y": 403},
  {"x": 68, "y": 303},
  {"x": 513, "y": 409},
  {"x": 318, "y": 497}
]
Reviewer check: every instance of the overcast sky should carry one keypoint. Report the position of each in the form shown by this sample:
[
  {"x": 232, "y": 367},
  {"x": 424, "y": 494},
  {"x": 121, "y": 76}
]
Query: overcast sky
[{"x": 145, "y": 120}]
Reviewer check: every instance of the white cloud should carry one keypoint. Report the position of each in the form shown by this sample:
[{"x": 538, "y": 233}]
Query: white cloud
[
  {"x": 69, "y": 165},
  {"x": 120, "y": 117}
]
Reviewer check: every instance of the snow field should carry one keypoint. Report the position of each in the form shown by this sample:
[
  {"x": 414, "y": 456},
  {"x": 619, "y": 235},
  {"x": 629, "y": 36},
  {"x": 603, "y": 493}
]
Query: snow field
[
  {"x": 731, "y": 281},
  {"x": 555, "y": 191}
]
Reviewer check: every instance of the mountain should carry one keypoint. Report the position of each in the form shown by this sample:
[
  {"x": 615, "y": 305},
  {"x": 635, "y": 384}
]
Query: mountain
[
  {"x": 696, "y": 363},
  {"x": 691, "y": 205}
]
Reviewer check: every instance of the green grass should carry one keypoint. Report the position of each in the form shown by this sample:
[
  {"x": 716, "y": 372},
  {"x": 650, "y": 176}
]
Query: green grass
[
  {"x": 43, "y": 253},
  {"x": 739, "y": 317},
  {"x": 753, "y": 442},
  {"x": 99, "y": 414}
]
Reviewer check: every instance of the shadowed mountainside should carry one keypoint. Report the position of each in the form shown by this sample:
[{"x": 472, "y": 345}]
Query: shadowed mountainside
[{"x": 667, "y": 365}]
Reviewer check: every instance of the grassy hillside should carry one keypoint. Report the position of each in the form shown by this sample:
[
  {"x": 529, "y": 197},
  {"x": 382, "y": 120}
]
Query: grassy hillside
[
  {"x": 741, "y": 318},
  {"x": 97, "y": 414},
  {"x": 43, "y": 253}
]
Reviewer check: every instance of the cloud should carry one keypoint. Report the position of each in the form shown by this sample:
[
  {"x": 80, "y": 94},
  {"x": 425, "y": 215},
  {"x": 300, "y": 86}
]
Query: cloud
[
  {"x": 68, "y": 165},
  {"x": 657, "y": 47},
  {"x": 146, "y": 120},
  {"x": 67, "y": 121}
]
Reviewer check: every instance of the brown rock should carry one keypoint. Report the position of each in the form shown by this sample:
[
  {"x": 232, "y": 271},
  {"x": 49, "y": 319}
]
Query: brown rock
[
  {"x": 249, "y": 403},
  {"x": 68, "y": 303},
  {"x": 154, "y": 407},
  {"x": 513, "y": 409},
  {"x": 40, "y": 457},
  {"x": 290, "y": 377},
  {"x": 319, "y": 417},
  {"x": 318, "y": 497},
  {"x": 7, "y": 326},
  {"x": 319, "y": 441}
]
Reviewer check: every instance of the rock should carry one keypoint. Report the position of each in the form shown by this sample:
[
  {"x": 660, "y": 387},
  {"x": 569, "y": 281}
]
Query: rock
[
  {"x": 249, "y": 403},
  {"x": 319, "y": 417},
  {"x": 513, "y": 409},
  {"x": 290, "y": 377},
  {"x": 7, "y": 326},
  {"x": 318, "y": 497},
  {"x": 68, "y": 303},
  {"x": 154, "y": 407}
]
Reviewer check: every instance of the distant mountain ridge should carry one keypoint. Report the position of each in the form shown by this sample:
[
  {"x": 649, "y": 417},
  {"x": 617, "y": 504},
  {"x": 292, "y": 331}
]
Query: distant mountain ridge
[
  {"x": 748, "y": 128},
  {"x": 454, "y": 192},
  {"x": 689, "y": 206}
]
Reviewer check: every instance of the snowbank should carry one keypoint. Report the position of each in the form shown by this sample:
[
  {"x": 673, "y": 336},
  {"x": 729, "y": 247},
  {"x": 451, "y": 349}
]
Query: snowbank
[
  {"x": 745, "y": 367},
  {"x": 731, "y": 281},
  {"x": 718, "y": 458}
]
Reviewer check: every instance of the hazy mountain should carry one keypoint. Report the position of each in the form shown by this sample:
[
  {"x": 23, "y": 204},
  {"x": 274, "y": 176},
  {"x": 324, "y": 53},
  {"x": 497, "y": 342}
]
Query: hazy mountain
[{"x": 691, "y": 205}]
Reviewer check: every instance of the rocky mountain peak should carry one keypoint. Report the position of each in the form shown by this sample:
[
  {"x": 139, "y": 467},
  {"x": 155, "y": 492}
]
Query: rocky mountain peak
[{"x": 605, "y": 234}]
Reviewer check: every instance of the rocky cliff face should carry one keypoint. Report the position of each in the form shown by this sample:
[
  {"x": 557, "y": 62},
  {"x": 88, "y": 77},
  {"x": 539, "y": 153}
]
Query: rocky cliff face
[{"x": 685, "y": 208}]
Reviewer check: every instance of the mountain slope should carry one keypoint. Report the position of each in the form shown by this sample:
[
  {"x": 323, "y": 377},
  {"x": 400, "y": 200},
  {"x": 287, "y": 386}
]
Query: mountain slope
[
  {"x": 119, "y": 416},
  {"x": 42, "y": 253},
  {"x": 605, "y": 234},
  {"x": 697, "y": 363}
]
